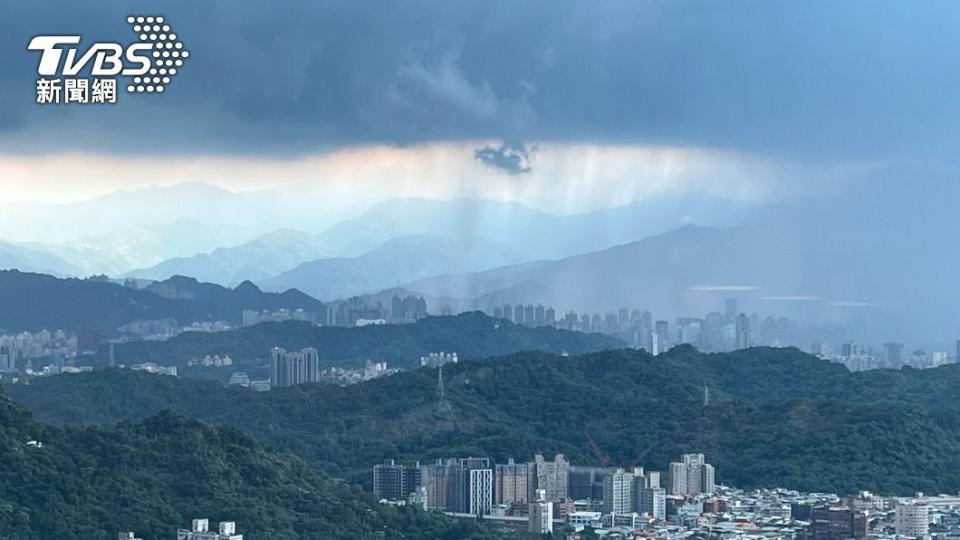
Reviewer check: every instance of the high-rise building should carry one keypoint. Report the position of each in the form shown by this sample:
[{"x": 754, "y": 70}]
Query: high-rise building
[
  {"x": 288, "y": 368},
  {"x": 938, "y": 358},
  {"x": 618, "y": 490},
  {"x": 913, "y": 519},
  {"x": 652, "y": 500},
  {"x": 463, "y": 486},
  {"x": 730, "y": 309},
  {"x": 408, "y": 308},
  {"x": 530, "y": 315},
  {"x": 646, "y": 320},
  {"x": 692, "y": 476},
  {"x": 478, "y": 487},
  {"x": 511, "y": 485},
  {"x": 396, "y": 481},
  {"x": 662, "y": 333},
  {"x": 586, "y": 483},
  {"x": 713, "y": 332},
  {"x": 743, "y": 331},
  {"x": 540, "y": 514},
  {"x": 550, "y": 476},
  {"x": 690, "y": 331},
  {"x": 439, "y": 482},
  {"x": 623, "y": 318},
  {"x": 596, "y": 323},
  {"x": 893, "y": 354}
]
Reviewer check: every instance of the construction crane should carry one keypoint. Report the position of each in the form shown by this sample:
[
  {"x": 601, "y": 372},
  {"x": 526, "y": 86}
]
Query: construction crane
[{"x": 602, "y": 458}]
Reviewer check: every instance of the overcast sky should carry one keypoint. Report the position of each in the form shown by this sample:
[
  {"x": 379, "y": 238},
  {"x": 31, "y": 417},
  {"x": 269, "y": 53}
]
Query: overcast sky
[{"x": 545, "y": 102}]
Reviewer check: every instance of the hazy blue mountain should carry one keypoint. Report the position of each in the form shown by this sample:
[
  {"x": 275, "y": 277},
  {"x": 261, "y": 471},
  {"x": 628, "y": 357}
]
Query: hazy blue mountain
[
  {"x": 116, "y": 252},
  {"x": 39, "y": 301},
  {"x": 263, "y": 257},
  {"x": 397, "y": 260},
  {"x": 136, "y": 228},
  {"x": 654, "y": 273},
  {"x": 535, "y": 233},
  {"x": 31, "y": 259},
  {"x": 795, "y": 264},
  {"x": 477, "y": 235}
]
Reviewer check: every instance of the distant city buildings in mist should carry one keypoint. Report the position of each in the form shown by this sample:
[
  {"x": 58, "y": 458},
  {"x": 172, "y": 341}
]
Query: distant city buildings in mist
[{"x": 50, "y": 352}]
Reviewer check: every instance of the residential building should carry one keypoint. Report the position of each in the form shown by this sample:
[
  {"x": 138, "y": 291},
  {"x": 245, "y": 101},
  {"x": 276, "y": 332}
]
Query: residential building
[
  {"x": 511, "y": 483},
  {"x": 461, "y": 486},
  {"x": 743, "y": 331},
  {"x": 586, "y": 483},
  {"x": 540, "y": 514},
  {"x": 288, "y": 368},
  {"x": 692, "y": 476},
  {"x": 618, "y": 489},
  {"x": 396, "y": 481},
  {"x": 649, "y": 497},
  {"x": 550, "y": 476},
  {"x": 913, "y": 519}
]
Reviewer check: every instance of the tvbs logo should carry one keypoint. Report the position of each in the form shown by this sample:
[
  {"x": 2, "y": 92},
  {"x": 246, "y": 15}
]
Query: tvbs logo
[{"x": 149, "y": 64}]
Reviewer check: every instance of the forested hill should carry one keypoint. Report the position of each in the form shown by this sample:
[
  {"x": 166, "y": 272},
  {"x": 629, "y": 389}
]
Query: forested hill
[
  {"x": 154, "y": 476},
  {"x": 38, "y": 301},
  {"x": 776, "y": 417},
  {"x": 469, "y": 334}
]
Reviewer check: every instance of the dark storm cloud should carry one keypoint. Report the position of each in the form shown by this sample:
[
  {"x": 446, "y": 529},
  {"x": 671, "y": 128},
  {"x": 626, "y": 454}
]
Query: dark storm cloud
[
  {"x": 509, "y": 158},
  {"x": 836, "y": 80}
]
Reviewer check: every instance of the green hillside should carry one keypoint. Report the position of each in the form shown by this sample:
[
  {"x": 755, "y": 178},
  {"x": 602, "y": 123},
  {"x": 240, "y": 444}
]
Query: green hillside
[
  {"x": 402, "y": 345},
  {"x": 777, "y": 417},
  {"x": 153, "y": 476}
]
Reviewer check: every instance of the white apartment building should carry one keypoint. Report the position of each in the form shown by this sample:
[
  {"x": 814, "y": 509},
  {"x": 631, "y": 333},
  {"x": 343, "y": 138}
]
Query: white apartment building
[{"x": 913, "y": 519}]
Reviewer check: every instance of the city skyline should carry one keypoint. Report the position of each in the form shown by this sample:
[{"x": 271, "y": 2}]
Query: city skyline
[{"x": 499, "y": 270}]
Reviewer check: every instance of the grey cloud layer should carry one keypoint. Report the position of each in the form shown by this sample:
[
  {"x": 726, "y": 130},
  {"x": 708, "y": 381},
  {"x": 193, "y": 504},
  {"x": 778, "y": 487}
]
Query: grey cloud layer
[{"x": 850, "y": 80}]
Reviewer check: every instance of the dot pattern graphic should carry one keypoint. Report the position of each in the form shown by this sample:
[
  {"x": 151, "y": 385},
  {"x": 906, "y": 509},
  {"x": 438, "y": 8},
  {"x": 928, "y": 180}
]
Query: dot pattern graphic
[{"x": 168, "y": 53}]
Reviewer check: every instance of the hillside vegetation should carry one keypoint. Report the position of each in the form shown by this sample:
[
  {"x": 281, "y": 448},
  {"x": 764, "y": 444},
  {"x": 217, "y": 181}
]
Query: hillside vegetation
[
  {"x": 151, "y": 477},
  {"x": 777, "y": 417},
  {"x": 402, "y": 345}
]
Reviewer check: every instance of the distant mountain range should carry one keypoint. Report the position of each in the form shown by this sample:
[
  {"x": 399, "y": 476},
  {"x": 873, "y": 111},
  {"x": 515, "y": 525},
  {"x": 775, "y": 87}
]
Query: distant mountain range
[
  {"x": 37, "y": 301},
  {"x": 533, "y": 233},
  {"x": 220, "y": 236},
  {"x": 135, "y": 228},
  {"x": 403, "y": 239},
  {"x": 395, "y": 261},
  {"x": 661, "y": 273},
  {"x": 882, "y": 281},
  {"x": 29, "y": 259},
  {"x": 258, "y": 259}
]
